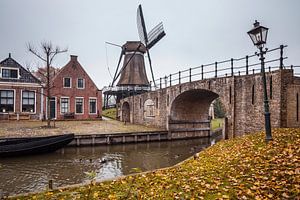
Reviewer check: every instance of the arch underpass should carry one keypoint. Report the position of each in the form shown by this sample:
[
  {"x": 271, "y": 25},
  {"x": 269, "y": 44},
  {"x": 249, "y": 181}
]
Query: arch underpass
[{"x": 189, "y": 113}]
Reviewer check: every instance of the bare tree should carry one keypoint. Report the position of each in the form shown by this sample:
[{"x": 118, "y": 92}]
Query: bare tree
[{"x": 47, "y": 54}]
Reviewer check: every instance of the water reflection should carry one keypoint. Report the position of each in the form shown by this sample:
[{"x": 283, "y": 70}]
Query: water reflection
[{"x": 67, "y": 166}]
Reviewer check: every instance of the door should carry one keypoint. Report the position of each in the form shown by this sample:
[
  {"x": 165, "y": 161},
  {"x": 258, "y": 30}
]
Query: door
[{"x": 53, "y": 108}]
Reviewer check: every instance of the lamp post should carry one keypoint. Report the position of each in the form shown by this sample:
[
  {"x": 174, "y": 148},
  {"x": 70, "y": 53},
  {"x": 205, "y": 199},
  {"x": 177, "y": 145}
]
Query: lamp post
[{"x": 258, "y": 36}]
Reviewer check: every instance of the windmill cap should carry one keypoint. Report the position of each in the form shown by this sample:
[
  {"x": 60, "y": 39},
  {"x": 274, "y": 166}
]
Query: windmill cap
[{"x": 134, "y": 46}]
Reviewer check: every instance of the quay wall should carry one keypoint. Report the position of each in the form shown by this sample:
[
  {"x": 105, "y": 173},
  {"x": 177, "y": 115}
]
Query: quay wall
[{"x": 122, "y": 138}]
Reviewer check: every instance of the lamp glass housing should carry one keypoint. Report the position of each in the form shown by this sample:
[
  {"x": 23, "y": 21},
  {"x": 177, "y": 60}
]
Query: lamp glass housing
[{"x": 258, "y": 35}]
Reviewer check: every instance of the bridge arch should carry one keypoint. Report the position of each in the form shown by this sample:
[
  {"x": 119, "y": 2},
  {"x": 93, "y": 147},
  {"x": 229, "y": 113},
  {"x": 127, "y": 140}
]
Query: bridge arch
[
  {"x": 192, "y": 105},
  {"x": 189, "y": 112}
]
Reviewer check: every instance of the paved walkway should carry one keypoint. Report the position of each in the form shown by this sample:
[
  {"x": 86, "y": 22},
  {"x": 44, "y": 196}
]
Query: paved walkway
[{"x": 37, "y": 128}]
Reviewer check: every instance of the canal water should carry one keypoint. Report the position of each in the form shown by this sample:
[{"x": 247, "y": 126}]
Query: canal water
[{"x": 68, "y": 166}]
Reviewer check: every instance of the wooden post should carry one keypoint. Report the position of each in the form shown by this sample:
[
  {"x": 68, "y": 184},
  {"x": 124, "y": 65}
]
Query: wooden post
[{"x": 50, "y": 184}]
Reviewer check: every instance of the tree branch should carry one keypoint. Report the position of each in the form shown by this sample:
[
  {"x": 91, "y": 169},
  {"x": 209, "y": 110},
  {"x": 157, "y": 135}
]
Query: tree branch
[
  {"x": 34, "y": 52},
  {"x": 57, "y": 51}
]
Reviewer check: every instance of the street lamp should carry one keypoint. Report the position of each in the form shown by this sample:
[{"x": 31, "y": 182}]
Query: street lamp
[{"x": 258, "y": 36}]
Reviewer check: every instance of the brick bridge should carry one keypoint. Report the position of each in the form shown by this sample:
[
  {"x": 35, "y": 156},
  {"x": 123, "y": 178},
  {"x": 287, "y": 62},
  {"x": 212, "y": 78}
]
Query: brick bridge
[{"x": 183, "y": 108}]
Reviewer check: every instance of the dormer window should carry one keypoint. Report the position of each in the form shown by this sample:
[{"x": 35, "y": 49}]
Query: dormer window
[
  {"x": 67, "y": 82},
  {"x": 9, "y": 73}
]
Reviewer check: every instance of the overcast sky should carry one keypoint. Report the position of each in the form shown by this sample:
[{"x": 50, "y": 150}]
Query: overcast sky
[{"x": 197, "y": 32}]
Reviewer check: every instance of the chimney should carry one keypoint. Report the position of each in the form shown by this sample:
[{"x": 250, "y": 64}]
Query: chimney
[
  {"x": 9, "y": 55},
  {"x": 73, "y": 57}
]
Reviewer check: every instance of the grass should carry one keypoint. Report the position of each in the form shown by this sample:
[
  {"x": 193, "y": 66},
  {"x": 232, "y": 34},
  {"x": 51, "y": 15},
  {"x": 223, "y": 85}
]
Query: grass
[
  {"x": 216, "y": 123},
  {"x": 110, "y": 113},
  {"x": 240, "y": 168}
]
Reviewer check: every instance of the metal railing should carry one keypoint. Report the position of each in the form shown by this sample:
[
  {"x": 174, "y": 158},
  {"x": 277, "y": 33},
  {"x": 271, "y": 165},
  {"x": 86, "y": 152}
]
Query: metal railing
[{"x": 249, "y": 64}]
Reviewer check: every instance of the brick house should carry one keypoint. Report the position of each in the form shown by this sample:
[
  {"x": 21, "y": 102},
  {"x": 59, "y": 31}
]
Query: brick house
[
  {"x": 74, "y": 93},
  {"x": 20, "y": 92}
]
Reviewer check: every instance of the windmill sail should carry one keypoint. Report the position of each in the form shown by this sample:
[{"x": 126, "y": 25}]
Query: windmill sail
[
  {"x": 141, "y": 26},
  {"x": 155, "y": 35}
]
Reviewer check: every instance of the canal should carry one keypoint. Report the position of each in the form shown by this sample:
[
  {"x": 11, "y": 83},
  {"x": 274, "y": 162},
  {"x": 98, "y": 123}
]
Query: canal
[{"x": 68, "y": 166}]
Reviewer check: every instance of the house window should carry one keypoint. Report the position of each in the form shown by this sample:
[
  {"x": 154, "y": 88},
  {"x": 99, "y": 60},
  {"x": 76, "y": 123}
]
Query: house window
[
  {"x": 28, "y": 101},
  {"x": 79, "y": 105},
  {"x": 7, "y": 101},
  {"x": 67, "y": 82},
  {"x": 9, "y": 73},
  {"x": 64, "y": 105},
  {"x": 80, "y": 83},
  {"x": 93, "y": 106}
]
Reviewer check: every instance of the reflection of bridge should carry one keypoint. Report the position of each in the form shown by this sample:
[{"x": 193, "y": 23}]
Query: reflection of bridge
[{"x": 182, "y": 108}]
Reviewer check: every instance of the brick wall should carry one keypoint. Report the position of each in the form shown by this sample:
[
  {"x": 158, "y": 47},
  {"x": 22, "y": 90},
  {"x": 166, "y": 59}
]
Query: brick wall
[{"x": 74, "y": 71}]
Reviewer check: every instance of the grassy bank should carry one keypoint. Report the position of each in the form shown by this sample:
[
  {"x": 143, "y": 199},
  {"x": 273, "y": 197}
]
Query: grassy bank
[
  {"x": 241, "y": 168},
  {"x": 216, "y": 123},
  {"x": 110, "y": 113}
]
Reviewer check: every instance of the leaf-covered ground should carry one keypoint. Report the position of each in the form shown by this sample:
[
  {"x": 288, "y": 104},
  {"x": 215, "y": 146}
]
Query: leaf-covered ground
[{"x": 241, "y": 168}]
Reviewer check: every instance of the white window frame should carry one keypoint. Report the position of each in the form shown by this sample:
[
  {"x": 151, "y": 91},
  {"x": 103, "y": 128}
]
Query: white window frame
[
  {"x": 83, "y": 84},
  {"x": 18, "y": 72},
  {"x": 82, "y": 105},
  {"x": 64, "y": 82},
  {"x": 14, "y": 101},
  {"x": 94, "y": 98},
  {"x": 21, "y": 101},
  {"x": 61, "y": 104}
]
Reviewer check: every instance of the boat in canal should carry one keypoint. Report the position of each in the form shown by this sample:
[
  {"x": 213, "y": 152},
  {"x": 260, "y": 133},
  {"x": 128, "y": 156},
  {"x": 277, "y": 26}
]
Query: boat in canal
[{"x": 33, "y": 145}]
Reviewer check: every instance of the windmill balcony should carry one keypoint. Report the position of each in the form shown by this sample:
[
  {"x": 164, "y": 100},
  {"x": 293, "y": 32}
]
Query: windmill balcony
[{"x": 125, "y": 88}]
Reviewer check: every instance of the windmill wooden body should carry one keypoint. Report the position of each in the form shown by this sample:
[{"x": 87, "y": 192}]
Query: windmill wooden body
[{"x": 132, "y": 78}]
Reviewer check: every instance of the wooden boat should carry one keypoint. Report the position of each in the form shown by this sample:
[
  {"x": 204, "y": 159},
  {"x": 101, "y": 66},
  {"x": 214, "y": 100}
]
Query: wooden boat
[{"x": 33, "y": 145}]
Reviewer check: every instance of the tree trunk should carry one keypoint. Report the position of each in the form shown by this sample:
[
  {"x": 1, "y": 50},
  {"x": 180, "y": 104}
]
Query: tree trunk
[{"x": 48, "y": 93}]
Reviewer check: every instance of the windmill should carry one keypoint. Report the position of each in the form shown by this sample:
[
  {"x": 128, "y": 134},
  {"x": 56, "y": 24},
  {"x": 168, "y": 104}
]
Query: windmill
[{"x": 132, "y": 76}]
